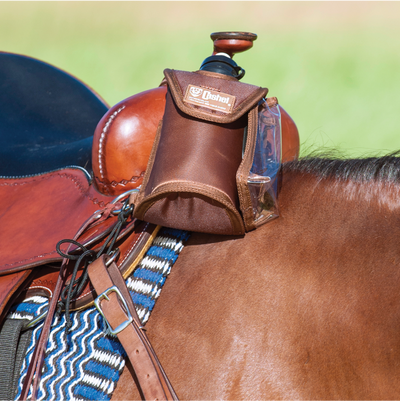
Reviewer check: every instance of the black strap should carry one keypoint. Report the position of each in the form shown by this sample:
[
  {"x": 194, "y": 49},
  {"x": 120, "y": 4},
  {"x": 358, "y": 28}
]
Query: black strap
[{"x": 13, "y": 346}]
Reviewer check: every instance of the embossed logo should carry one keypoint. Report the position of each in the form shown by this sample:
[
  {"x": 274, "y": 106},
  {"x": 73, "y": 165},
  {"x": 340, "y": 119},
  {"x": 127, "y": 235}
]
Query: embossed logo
[
  {"x": 196, "y": 91},
  {"x": 209, "y": 99}
]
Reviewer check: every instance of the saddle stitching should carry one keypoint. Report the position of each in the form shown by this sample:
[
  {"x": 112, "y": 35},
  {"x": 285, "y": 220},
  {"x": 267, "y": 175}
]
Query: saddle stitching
[
  {"x": 103, "y": 136},
  {"x": 127, "y": 253},
  {"x": 122, "y": 182},
  {"x": 78, "y": 184},
  {"x": 28, "y": 259}
]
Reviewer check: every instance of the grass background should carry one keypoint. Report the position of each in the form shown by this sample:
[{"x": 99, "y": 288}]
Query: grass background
[{"x": 334, "y": 66}]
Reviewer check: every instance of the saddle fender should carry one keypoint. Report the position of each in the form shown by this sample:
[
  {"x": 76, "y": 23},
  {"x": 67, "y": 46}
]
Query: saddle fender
[{"x": 124, "y": 137}]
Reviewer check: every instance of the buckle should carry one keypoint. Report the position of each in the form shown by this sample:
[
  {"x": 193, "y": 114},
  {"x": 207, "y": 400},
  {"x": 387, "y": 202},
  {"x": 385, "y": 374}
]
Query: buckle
[
  {"x": 121, "y": 197},
  {"x": 104, "y": 295},
  {"x": 35, "y": 320}
]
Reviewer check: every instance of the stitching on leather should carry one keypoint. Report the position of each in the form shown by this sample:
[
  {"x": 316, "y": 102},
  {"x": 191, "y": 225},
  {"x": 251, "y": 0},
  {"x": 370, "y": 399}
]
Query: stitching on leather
[
  {"x": 131, "y": 248},
  {"x": 28, "y": 259},
  {"x": 239, "y": 109},
  {"x": 216, "y": 75},
  {"x": 122, "y": 182},
  {"x": 235, "y": 226},
  {"x": 188, "y": 186},
  {"x": 41, "y": 287},
  {"x": 103, "y": 137},
  {"x": 78, "y": 184}
]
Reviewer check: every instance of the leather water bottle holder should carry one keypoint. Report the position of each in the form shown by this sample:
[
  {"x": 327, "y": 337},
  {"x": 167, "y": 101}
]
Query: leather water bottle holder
[{"x": 191, "y": 178}]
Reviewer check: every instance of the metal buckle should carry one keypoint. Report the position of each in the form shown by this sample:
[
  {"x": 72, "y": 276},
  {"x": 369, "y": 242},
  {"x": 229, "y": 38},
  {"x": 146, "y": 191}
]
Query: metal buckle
[
  {"x": 112, "y": 257},
  {"x": 104, "y": 295},
  {"x": 35, "y": 320},
  {"x": 121, "y": 197}
]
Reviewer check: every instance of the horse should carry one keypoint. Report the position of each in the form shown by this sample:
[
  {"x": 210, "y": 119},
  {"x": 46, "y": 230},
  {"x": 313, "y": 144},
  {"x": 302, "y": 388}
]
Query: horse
[{"x": 304, "y": 307}]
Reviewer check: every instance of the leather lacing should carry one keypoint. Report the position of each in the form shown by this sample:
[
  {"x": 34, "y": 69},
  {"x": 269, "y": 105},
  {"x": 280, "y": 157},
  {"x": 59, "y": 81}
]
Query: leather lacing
[{"x": 76, "y": 285}]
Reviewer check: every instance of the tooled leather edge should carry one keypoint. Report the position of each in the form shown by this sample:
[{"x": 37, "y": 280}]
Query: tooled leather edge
[
  {"x": 102, "y": 142},
  {"x": 82, "y": 186},
  {"x": 239, "y": 110}
]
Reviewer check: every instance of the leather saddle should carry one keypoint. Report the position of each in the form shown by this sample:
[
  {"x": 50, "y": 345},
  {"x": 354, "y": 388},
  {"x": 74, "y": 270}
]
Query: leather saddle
[
  {"x": 47, "y": 194},
  {"x": 47, "y": 121}
]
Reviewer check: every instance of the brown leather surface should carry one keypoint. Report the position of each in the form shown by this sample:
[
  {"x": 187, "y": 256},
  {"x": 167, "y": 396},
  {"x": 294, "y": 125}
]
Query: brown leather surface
[
  {"x": 231, "y": 47},
  {"x": 153, "y": 382},
  {"x": 38, "y": 211},
  {"x": 232, "y": 42},
  {"x": 44, "y": 279},
  {"x": 194, "y": 150},
  {"x": 123, "y": 140},
  {"x": 290, "y": 137}
]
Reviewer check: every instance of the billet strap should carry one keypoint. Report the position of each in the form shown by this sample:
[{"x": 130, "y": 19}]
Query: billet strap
[{"x": 115, "y": 305}]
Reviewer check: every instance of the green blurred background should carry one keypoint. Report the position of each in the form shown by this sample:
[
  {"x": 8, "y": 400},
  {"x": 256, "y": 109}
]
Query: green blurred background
[{"x": 334, "y": 66}]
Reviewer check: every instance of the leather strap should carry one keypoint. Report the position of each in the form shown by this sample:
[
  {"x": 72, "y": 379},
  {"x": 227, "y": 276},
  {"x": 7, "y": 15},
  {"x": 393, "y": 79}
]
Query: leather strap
[
  {"x": 35, "y": 367},
  {"x": 115, "y": 304},
  {"x": 36, "y": 364}
]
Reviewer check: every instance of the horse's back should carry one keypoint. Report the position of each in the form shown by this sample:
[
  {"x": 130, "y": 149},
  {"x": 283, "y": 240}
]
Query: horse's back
[{"x": 305, "y": 307}]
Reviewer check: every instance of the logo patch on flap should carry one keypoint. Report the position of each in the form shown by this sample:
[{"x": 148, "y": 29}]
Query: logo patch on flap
[{"x": 209, "y": 99}]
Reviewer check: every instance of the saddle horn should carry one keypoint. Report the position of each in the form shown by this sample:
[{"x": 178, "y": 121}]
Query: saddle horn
[{"x": 227, "y": 44}]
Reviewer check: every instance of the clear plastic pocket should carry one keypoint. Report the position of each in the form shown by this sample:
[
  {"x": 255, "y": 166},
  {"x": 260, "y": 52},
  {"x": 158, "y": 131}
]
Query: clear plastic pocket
[{"x": 263, "y": 177}]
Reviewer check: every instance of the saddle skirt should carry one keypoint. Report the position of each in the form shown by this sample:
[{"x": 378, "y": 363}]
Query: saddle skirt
[{"x": 41, "y": 210}]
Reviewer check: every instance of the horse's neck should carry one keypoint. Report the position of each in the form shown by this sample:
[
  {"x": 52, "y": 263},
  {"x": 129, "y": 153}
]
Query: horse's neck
[
  {"x": 339, "y": 223},
  {"x": 383, "y": 195}
]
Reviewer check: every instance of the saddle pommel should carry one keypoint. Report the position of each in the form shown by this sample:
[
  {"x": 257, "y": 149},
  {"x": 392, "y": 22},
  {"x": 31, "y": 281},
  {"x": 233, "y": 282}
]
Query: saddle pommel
[{"x": 123, "y": 140}]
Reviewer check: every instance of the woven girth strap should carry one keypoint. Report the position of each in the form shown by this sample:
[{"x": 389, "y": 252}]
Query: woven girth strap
[
  {"x": 14, "y": 341},
  {"x": 115, "y": 304}
]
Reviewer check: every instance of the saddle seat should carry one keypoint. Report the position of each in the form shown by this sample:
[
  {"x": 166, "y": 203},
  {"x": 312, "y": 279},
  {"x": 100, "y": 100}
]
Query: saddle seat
[{"x": 47, "y": 117}]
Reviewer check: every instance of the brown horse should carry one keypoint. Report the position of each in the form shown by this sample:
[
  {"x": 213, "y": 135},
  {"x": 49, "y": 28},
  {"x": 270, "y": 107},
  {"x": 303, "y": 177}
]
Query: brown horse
[{"x": 305, "y": 307}]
